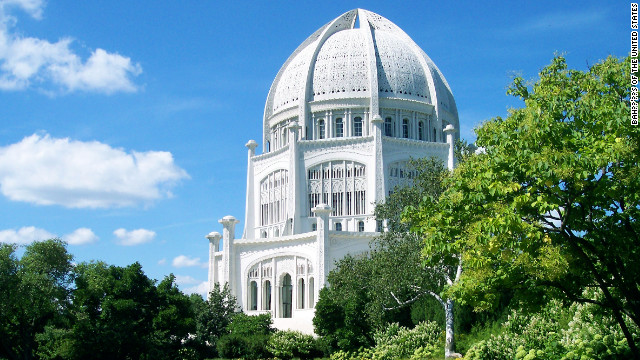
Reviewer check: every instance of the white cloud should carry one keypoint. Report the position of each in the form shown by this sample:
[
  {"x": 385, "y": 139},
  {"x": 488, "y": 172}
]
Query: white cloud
[
  {"x": 29, "y": 234},
  {"x": 24, "y": 235},
  {"x": 162, "y": 261},
  {"x": 185, "y": 280},
  {"x": 185, "y": 261},
  {"x": 32, "y": 7},
  {"x": 80, "y": 236},
  {"x": 202, "y": 289},
  {"x": 75, "y": 174},
  {"x": 134, "y": 237},
  {"x": 28, "y": 60}
]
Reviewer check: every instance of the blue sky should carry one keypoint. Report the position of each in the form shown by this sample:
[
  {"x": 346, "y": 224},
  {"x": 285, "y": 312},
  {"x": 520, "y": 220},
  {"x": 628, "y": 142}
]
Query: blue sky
[{"x": 123, "y": 123}]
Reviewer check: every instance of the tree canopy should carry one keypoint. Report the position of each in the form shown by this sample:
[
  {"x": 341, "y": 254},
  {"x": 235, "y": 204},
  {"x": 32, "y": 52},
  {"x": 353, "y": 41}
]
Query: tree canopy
[{"x": 550, "y": 205}]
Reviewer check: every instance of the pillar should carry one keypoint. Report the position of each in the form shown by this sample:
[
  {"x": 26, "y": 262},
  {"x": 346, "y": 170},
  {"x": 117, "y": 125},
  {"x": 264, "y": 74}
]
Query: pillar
[
  {"x": 214, "y": 241},
  {"x": 322, "y": 212},
  {"x": 228, "y": 252},
  {"x": 449, "y": 130},
  {"x": 250, "y": 210}
]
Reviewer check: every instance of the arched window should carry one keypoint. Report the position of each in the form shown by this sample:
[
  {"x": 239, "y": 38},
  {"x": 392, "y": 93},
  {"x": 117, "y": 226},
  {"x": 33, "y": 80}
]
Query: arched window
[
  {"x": 284, "y": 137},
  {"x": 311, "y": 294},
  {"x": 286, "y": 296},
  {"x": 360, "y": 226},
  {"x": 405, "y": 128},
  {"x": 301, "y": 294},
  {"x": 277, "y": 233},
  {"x": 339, "y": 127},
  {"x": 253, "y": 296},
  {"x": 274, "y": 197},
  {"x": 420, "y": 130},
  {"x": 321, "y": 129},
  {"x": 263, "y": 234},
  {"x": 357, "y": 126},
  {"x": 268, "y": 145},
  {"x": 388, "y": 126},
  {"x": 338, "y": 226},
  {"x": 434, "y": 134},
  {"x": 341, "y": 184},
  {"x": 266, "y": 295}
]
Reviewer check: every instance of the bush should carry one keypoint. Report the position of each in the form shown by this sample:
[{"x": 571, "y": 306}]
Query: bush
[
  {"x": 397, "y": 342},
  {"x": 248, "y": 337},
  {"x": 292, "y": 344},
  {"x": 593, "y": 335},
  {"x": 247, "y": 325}
]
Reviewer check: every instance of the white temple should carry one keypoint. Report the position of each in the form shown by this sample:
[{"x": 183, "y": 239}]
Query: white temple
[{"x": 345, "y": 112}]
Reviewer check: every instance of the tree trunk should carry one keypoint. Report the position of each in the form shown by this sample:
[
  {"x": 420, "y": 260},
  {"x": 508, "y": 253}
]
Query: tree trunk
[{"x": 449, "y": 345}]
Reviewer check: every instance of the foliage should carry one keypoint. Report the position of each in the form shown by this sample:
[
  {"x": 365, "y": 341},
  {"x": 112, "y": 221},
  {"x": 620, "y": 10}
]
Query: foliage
[
  {"x": 34, "y": 293},
  {"x": 397, "y": 342},
  {"x": 537, "y": 209},
  {"x": 340, "y": 317},
  {"x": 292, "y": 344},
  {"x": 548, "y": 334},
  {"x": 214, "y": 317},
  {"x": 248, "y": 337},
  {"x": 247, "y": 325},
  {"x": 594, "y": 335}
]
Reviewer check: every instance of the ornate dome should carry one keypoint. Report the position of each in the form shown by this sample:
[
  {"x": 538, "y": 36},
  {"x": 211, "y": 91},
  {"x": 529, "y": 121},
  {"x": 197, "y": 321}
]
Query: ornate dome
[{"x": 340, "y": 61}]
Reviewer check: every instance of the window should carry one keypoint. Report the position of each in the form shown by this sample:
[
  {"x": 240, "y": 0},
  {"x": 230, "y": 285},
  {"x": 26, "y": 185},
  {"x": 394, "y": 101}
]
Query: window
[
  {"x": 360, "y": 226},
  {"x": 311, "y": 293},
  {"x": 341, "y": 184},
  {"x": 405, "y": 128},
  {"x": 339, "y": 128},
  {"x": 253, "y": 305},
  {"x": 357, "y": 126},
  {"x": 379, "y": 226},
  {"x": 320, "y": 129},
  {"x": 301, "y": 294},
  {"x": 266, "y": 295},
  {"x": 268, "y": 145},
  {"x": 263, "y": 234},
  {"x": 277, "y": 233},
  {"x": 338, "y": 226},
  {"x": 434, "y": 134},
  {"x": 420, "y": 130},
  {"x": 286, "y": 296},
  {"x": 388, "y": 127},
  {"x": 314, "y": 227},
  {"x": 273, "y": 197}
]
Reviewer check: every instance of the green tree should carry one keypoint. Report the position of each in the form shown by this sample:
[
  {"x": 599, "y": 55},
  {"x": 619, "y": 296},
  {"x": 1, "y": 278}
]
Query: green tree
[
  {"x": 34, "y": 292},
  {"x": 550, "y": 206},
  {"x": 174, "y": 320},
  {"x": 214, "y": 317},
  {"x": 115, "y": 311},
  {"x": 403, "y": 276}
]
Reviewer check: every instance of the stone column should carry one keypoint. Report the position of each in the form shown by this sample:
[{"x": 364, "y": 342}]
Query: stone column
[
  {"x": 449, "y": 130},
  {"x": 249, "y": 212},
  {"x": 322, "y": 212},
  {"x": 214, "y": 242},
  {"x": 378, "y": 175},
  {"x": 228, "y": 253},
  {"x": 294, "y": 207}
]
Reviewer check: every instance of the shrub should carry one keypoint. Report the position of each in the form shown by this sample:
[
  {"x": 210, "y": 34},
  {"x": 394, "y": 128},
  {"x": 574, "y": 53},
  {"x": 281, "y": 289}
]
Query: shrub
[
  {"x": 247, "y": 325},
  {"x": 290, "y": 344},
  {"x": 397, "y": 342},
  {"x": 593, "y": 335}
]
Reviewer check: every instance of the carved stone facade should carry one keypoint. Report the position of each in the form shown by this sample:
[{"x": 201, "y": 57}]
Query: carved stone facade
[{"x": 344, "y": 114}]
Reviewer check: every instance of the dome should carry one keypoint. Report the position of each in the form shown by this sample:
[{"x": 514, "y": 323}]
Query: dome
[{"x": 342, "y": 64}]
